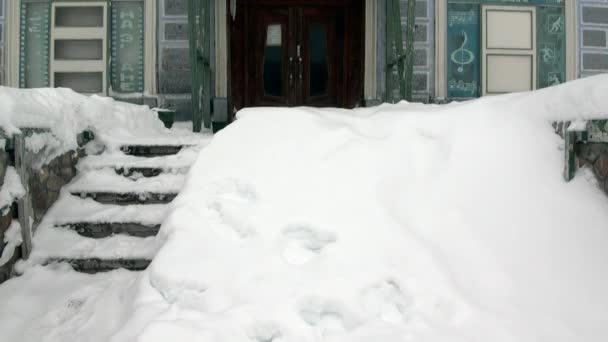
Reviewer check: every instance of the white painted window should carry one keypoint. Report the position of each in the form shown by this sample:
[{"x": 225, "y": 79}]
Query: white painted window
[
  {"x": 79, "y": 46},
  {"x": 508, "y": 49}
]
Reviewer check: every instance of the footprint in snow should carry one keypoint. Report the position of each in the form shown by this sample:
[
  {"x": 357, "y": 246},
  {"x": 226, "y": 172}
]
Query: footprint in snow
[
  {"x": 265, "y": 332},
  {"x": 301, "y": 243},
  {"x": 388, "y": 301},
  {"x": 329, "y": 317},
  {"x": 231, "y": 202}
]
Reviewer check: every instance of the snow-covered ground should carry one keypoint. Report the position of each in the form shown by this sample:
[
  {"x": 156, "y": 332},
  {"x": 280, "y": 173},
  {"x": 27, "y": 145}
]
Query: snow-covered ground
[{"x": 402, "y": 222}]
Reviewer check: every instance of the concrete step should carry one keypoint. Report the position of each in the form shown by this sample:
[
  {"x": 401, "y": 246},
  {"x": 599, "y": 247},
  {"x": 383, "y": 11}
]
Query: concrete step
[
  {"x": 148, "y": 167},
  {"x": 151, "y": 150},
  {"x": 98, "y": 230},
  {"x": 146, "y": 172},
  {"x": 96, "y": 265},
  {"x": 128, "y": 198}
]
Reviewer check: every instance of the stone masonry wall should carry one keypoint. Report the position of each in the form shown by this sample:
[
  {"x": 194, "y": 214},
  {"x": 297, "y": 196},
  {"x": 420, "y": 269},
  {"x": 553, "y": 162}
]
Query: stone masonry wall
[
  {"x": 595, "y": 156},
  {"x": 6, "y": 218},
  {"x": 45, "y": 183},
  {"x": 43, "y": 174}
]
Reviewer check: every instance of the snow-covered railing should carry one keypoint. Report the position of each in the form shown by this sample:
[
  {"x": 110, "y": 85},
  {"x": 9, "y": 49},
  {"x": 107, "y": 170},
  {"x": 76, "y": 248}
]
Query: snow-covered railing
[
  {"x": 586, "y": 143},
  {"x": 34, "y": 167}
]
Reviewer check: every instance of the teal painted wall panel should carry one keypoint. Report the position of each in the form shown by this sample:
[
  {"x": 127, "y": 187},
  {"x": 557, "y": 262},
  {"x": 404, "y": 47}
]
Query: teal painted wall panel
[
  {"x": 464, "y": 66},
  {"x": 512, "y": 2},
  {"x": 463, "y": 50},
  {"x": 551, "y": 46},
  {"x": 127, "y": 47},
  {"x": 34, "y": 44}
]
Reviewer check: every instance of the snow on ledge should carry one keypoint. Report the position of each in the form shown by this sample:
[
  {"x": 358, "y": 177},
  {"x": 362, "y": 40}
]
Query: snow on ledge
[
  {"x": 67, "y": 114},
  {"x": 12, "y": 189}
]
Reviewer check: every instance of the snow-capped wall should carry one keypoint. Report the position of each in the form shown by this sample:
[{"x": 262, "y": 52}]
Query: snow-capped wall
[{"x": 11, "y": 190}]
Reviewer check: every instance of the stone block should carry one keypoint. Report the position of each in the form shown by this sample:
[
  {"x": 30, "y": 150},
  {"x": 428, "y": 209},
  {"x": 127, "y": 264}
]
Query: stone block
[
  {"x": 175, "y": 82},
  {"x": 176, "y": 31},
  {"x": 176, "y": 7},
  {"x": 601, "y": 166},
  {"x": 421, "y": 33},
  {"x": 420, "y": 82},
  {"x": 55, "y": 182},
  {"x": 594, "y": 38},
  {"x": 175, "y": 59},
  {"x": 420, "y": 57},
  {"x": 421, "y": 9},
  {"x": 595, "y": 15},
  {"x": 595, "y": 61},
  {"x": 3, "y": 165},
  {"x": 181, "y": 105}
]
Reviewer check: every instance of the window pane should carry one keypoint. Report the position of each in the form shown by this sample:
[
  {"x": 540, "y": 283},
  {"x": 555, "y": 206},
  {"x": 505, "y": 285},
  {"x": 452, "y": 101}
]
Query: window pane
[
  {"x": 318, "y": 60},
  {"x": 79, "y": 49},
  {"x": 273, "y": 61},
  {"x": 82, "y": 82},
  {"x": 78, "y": 16}
]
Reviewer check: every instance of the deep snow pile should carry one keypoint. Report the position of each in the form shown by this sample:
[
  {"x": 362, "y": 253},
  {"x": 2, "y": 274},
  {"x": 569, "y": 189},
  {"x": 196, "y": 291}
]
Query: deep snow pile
[
  {"x": 67, "y": 114},
  {"x": 398, "y": 223}
]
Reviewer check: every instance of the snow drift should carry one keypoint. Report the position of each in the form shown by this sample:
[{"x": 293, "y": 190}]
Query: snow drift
[
  {"x": 66, "y": 114},
  {"x": 399, "y": 223},
  {"x": 403, "y": 222}
]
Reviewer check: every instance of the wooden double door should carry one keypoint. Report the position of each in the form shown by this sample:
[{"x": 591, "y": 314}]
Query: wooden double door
[{"x": 297, "y": 53}]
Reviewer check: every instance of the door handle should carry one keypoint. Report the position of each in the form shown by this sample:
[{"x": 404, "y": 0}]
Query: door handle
[
  {"x": 300, "y": 68},
  {"x": 290, "y": 70}
]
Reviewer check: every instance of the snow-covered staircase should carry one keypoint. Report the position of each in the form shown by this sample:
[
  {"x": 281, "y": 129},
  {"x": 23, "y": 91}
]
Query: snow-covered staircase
[{"x": 109, "y": 215}]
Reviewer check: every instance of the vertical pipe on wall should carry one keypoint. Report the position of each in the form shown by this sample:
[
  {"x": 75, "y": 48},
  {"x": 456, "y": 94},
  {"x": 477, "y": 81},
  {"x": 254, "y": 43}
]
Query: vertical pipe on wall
[
  {"x": 371, "y": 19},
  {"x": 441, "y": 20},
  {"x": 571, "y": 39},
  {"x": 409, "y": 51},
  {"x": 12, "y": 25},
  {"x": 150, "y": 83},
  {"x": 221, "y": 50}
]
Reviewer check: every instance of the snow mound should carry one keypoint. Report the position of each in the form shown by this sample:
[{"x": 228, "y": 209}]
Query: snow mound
[
  {"x": 66, "y": 114},
  {"x": 403, "y": 222},
  {"x": 12, "y": 189}
]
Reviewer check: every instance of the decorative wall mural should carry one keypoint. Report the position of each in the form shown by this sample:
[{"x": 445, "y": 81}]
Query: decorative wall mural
[
  {"x": 551, "y": 46},
  {"x": 462, "y": 56},
  {"x": 34, "y": 45},
  {"x": 463, "y": 50},
  {"x": 128, "y": 47}
]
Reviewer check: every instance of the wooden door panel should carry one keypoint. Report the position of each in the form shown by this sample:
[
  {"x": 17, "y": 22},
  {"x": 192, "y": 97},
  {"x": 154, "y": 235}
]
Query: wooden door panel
[
  {"x": 270, "y": 63},
  {"x": 322, "y": 41}
]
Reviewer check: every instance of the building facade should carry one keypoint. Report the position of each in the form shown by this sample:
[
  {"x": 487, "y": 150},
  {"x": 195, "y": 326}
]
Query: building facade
[
  {"x": 207, "y": 59},
  {"x": 593, "y": 41}
]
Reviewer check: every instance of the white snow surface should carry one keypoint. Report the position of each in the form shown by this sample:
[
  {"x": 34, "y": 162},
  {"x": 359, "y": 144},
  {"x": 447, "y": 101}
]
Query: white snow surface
[
  {"x": 106, "y": 180},
  {"x": 67, "y": 114},
  {"x": 178, "y": 163},
  {"x": 402, "y": 222},
  {"x": 12, "y": 189},
  {"x": 58, "y": 304},
  {"x": 51, "y": 242},
  {"x": 12, "y": 240}
]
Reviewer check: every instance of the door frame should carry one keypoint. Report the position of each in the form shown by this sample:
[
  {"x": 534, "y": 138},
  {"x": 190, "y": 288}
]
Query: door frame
[{"x": 235, "y": 62}]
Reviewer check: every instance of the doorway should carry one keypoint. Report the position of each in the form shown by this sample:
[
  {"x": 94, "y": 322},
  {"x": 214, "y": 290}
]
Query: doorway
[{"x": 297, "y": 53}]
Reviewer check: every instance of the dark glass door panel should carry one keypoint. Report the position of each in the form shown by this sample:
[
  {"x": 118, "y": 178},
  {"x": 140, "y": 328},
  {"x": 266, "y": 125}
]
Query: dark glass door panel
[
  {"x": 270, "y": 67},
  {"x": 273, "y": 61},
  {"x": 323, "y": 44},
  {"x": 319, "y": 74}
]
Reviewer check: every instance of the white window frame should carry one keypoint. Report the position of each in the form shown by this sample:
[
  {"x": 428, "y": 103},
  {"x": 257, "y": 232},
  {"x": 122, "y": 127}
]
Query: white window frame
[
  {"x": 80, "y": 33},
  {"x": 486, "y": 51}
]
